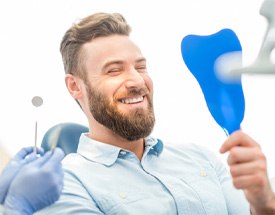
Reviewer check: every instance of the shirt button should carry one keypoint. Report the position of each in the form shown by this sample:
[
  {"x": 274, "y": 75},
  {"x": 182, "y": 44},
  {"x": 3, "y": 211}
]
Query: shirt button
[
  {"x": 123, "y": 152},
  {"x": 170, "y": 185},
  {"x": 203, "y": 173},
  {"x": 122, "y": 195}
]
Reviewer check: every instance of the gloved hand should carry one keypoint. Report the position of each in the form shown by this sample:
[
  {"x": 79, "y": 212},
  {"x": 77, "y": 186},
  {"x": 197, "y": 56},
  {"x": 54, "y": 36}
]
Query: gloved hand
[
  {"x": 37, "y": 185},
  {"x": 23, "y": 157}
]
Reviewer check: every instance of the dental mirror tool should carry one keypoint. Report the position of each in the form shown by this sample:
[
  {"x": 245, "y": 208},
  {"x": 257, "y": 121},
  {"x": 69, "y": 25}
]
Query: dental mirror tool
[{"x": 37, "y": 101}]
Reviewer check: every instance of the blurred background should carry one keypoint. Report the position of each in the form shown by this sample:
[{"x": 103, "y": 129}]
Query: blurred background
[{"x": 31, "y": 65}]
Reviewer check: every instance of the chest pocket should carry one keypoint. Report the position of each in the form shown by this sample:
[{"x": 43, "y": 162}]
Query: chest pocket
[
  {"x": 122, "y": 202},
  {"x": 133, "y": 202},
  {"x": 206, "y": 186}
]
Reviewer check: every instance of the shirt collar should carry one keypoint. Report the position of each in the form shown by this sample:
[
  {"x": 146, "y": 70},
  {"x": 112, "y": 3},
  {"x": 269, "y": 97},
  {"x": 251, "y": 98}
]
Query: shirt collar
[
  {"x": 107, "y": 154},
  {"x": 153, "y": 146}
]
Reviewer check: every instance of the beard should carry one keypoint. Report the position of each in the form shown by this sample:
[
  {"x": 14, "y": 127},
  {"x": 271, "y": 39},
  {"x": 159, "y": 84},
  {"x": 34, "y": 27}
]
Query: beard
[{"x": 133, "y": 126}]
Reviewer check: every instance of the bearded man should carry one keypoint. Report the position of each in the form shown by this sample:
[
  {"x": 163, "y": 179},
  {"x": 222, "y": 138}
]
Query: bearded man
[{"x": 119, "y": 168}]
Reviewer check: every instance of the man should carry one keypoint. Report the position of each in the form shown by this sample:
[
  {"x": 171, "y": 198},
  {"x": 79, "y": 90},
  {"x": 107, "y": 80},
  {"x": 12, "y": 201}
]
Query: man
[
  {"x": 31, "y": 181},
  {"x": 119, "y": 168}
]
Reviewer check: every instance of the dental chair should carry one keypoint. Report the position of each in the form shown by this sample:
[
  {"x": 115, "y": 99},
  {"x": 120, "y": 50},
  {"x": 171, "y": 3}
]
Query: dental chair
[{"x": 63, "y": 135}]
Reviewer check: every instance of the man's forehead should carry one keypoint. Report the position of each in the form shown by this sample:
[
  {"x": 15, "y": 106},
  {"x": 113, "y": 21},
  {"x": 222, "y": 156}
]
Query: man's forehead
[
  {"x": 110, "y": 41},
  {"x": 110, "y": 49}
]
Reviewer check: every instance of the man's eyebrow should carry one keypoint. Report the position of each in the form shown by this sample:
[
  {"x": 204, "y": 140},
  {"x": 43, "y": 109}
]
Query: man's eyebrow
[
  {"x": 141, "y": 60},
  {"x": 111, "y": 63},
  {"x": 119, "y": 62}
]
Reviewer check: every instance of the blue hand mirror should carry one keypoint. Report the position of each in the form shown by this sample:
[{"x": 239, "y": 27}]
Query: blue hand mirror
[{"x": 224, "y": 98}]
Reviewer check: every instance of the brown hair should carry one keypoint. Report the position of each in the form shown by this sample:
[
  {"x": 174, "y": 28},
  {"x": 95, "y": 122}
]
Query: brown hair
[{"x": 89, "y": 28}]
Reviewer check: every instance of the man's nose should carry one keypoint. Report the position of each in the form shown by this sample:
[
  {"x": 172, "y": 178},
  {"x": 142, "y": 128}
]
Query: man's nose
[{"x": 134, "y": 79}]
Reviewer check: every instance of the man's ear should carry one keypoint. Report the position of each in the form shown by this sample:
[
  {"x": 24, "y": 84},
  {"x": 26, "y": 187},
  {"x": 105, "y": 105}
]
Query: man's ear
[{"x": 74, "y": 86}]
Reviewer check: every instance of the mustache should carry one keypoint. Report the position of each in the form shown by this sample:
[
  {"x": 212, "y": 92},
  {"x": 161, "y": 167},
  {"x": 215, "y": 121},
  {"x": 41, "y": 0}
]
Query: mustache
[{"x": 133, "y": 92}]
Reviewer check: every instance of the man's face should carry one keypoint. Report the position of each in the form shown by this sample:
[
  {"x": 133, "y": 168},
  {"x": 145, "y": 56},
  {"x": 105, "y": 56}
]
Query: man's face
[{"x": 119, "y": 89}]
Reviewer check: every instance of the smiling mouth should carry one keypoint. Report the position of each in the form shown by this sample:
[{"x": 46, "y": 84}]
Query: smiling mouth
[{"x": 132, "y": 100}]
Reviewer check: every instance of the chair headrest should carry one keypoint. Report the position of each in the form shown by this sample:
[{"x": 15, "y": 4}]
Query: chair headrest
[{"x": 63, "y": 135}]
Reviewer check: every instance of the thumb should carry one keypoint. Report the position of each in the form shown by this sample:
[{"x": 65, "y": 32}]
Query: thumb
[
  {"x": 40, "y": 161},
  {"x": 56, "y": 158}
]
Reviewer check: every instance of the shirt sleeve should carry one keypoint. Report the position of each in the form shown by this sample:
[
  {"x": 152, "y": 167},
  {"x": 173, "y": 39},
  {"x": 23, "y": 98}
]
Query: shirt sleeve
[
  {"x": 74, "y": 199},
  {"x": 235, "y": 199}
]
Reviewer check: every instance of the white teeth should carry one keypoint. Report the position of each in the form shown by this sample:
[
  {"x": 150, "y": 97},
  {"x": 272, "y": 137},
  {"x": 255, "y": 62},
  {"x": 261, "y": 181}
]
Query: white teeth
[{"x": 132, "y": 100}]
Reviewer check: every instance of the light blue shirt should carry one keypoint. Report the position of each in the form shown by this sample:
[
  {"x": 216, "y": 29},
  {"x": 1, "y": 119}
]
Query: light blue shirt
[{"x": 170, "y": 179}]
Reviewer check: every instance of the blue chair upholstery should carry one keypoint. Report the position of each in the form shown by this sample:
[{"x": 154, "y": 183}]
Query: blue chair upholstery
[{"x": 63, "y": 135}]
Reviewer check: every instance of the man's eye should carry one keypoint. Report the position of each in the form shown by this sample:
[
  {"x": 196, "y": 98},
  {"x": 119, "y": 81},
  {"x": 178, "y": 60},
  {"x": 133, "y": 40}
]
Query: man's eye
[
  {"x": 141, "y": 69},
  {"x": 114, "y": 71}
]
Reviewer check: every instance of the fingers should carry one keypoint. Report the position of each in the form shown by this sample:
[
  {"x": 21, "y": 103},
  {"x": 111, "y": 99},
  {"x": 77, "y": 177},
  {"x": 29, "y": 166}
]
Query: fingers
[
  {"x": 42, "y": 160},
  {"x": 24, "y": 152},
  {"x": 31, "y": 157},
  {"x": 238, "y": 138},
  {"x": 56, "y": 158},
  {"x": 58, "y": 154},
  {"x": 50, "y": 158},
  {"x": 248, "y": 168},
  {"x": 246, "y": 161},
  {"x": 245, "y": 154},
  {"x": 254, "y": 181}
]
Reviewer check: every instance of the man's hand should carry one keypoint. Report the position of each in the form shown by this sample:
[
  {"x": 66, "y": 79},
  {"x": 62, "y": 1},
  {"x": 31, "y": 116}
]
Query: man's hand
[{"x": 248, "y": 168}]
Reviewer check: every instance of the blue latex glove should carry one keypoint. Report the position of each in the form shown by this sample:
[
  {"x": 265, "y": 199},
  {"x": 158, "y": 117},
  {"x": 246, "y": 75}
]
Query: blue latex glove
[
  {"x": 37, "y": 185},
  {"x": 23, "y": 157}
]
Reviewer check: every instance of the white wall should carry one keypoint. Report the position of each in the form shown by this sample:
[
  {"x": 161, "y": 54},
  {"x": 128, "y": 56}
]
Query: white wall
[{"x": 31, "y": 32}]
